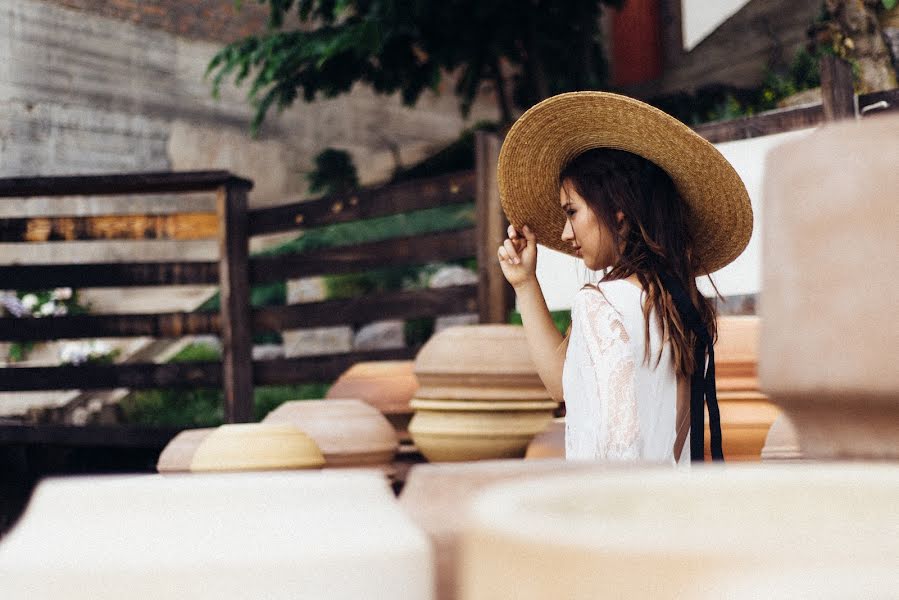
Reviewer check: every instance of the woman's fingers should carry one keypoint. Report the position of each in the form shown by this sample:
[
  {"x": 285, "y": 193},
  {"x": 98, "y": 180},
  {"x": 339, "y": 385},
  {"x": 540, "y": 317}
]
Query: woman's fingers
[
  {"x": 511, "y": 252},
  {"x": 529, "y": 235}
]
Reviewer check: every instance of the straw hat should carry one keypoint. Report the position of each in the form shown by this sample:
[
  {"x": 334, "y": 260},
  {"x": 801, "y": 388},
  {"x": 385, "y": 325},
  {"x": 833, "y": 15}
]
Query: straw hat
[{"x": 560, "y": 128}]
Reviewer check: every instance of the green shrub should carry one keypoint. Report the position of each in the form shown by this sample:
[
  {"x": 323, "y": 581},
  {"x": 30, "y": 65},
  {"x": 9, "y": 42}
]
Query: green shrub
[{"x": 561, "y": 319}]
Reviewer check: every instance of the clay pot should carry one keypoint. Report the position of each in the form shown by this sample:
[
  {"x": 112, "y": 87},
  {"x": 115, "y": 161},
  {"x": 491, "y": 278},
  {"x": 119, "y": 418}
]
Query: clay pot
[
  {"x": 746, "y": 418},
  {"x": 387, "y": 385},
  {"x": 349, "y": 433},
  {"x": 828, "y": 353},
  {"x": 256, "y": 447},
  {"x": 476, "y": 399},
  {"x": 549, "y": 443},
  {"x": 335, "y": 534},
  {"x": 179, "y": 452},
  {"x": 437, "y": 497},
  {"x": 468, "y": 430},
  {"x": 736, "y": 353},
  {"x": 655, "y": 533},
  {"x": 782, "y": 443}
]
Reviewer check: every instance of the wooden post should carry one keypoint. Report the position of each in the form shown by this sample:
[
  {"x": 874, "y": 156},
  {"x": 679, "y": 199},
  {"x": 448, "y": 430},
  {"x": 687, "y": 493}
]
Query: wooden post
[
  {"x": 837, "y": 89},
  {"x": 234, "y": 286},
  {"x": 495, "y": 295}
]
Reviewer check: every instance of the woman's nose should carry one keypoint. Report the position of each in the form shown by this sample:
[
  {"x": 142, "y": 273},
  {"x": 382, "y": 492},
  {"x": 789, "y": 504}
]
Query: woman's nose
[{"x": 568, "y": 232}]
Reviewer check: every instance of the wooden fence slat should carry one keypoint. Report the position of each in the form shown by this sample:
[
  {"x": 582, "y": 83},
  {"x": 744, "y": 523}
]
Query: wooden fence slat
[
  {"x": 766, "y": 123},
  {"x": 99, "y": 377},
  {"x": 119, "y": 436},
  {"x": 391, "y": 305},
  {"x": 158, "y": 325},
  {"x": 837, "y": 93},
  {"x": 495, "y": 298},
  {"x": 40, "y": 277},
  {"x": 350, "y": 259},
  {"x": 311, "y": 369},
  {"x": 182, "y": 226},
  {"x": 454, "y": 188},
  {"x": 234, "y": 289},
  {"x": 120, "y": 183},
  {"x": 186, "y": 375}
]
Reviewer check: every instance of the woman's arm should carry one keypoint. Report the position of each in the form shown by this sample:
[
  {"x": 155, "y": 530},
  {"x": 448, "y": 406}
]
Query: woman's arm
[{"x": 518, "y": 260}]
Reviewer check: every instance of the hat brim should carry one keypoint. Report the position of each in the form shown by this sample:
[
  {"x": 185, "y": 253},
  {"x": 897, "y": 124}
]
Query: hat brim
[{"x": 550, "y": 134}]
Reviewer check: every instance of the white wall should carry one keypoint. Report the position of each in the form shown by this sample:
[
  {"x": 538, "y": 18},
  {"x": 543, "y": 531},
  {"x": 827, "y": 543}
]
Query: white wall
[
  {"x": 699, "y": 18},
  {"x": 561, "y": 276}
]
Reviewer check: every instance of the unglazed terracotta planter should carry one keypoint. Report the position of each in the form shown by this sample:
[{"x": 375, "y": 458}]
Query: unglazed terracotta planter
[
  {"x": 179, "y": 452},
  {"x": 335, "y": 534},
  {"x": 736, "y": 353},
  {"x": 437, "y": 497},
  {"x": 829, "y": 338},
  {"x": 349, "y": 433},
  {"x": 387, "y": 385},
  {"x": 549, "y": 443},
  {"x": 782, "y": 443},
  {"x": 461, "y": 430},
  {"x": 746, "y": 418},
  {"x": 256, "y": 447},
  {"x": 476, "y": 399},
  {"x": 656, "y": 533}
]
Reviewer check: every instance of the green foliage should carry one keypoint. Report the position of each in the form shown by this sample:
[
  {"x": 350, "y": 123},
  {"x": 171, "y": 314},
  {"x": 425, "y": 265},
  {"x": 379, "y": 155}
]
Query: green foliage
[
  {"x": 205, "y": 407},
  {"x": 334, "y": 173},
  {"x": 561, "y": 319},
  {"x": 889, "y": 4},
  {"x": 457, "y": 156},
  {"x": 406, "y": 46}
]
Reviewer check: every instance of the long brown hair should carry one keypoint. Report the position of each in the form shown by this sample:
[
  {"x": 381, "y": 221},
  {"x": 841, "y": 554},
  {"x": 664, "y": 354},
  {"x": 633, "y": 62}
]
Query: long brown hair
[{"x": 653, "y": 238}]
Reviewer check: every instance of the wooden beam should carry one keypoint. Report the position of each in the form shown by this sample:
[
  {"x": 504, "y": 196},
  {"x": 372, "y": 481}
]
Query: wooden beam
[
  {"x": 454, "y": 188},
  {"x": 184, "y": 226},
  {"x": 100, "y": 377},
  {"x": 766, "y": 123},
  {"x": 159, "y": 325},
  {"x": 186, "y": 375},
  {"x": 234, "y": 288},
  {"x": 420, "y": 249},
  {"x": 495, "y": 297},
  {"x": 123, "y": 436},
  {"x": 837, "y": 89},
  {"x": 39, "y": 277},
  {"x": 120, "y": 183},
  {"x": 391, "y": 305},
  {"x": 314, "y": 369}
]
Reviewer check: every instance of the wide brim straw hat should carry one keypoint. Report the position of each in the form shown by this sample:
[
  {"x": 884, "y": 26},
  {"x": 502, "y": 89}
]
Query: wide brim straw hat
[{"x": 550, "y": 134}]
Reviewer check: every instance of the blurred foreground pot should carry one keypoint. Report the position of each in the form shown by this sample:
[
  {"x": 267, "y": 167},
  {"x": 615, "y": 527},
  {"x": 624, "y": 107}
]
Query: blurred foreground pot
[
  {"x": 387, "y": 385},
  {"x": 829, "y": 336},
  {"x": 656, "y": 533},
  {"x": 479, "y": 395},
  {"x": 437, "y": 497},
  {"x": 256, "y": 447},
  {"x": 336, "y": 535},
  {"x": 349, "y": 433}
]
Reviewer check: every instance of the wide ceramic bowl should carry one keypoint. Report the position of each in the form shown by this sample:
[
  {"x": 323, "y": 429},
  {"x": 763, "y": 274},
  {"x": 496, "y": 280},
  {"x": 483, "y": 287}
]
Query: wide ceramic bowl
[
  {"x": 179, "y": 452},
  {"x": 387, "y": 385},
  {"x": 655, "y": 533},
  {"x": 349, "y": 433},
  {"x": 467, "y": 430},
  {"x": 334, "y": 534},
  {"x": 256, "y": 447}
]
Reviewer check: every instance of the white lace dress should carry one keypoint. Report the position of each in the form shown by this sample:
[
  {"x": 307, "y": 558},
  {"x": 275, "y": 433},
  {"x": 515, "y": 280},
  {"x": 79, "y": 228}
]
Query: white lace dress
[{"x": 618, "y": 408}]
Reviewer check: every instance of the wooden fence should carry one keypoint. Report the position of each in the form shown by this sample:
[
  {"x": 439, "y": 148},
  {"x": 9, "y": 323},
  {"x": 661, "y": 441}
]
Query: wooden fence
[{"x": 235, "y": 272}]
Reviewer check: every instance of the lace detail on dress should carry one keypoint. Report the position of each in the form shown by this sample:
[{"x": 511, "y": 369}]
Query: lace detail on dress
[{"x": 607, "y": 369}]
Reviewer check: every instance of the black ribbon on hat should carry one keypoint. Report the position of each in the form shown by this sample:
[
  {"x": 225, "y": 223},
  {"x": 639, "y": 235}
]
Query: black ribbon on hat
[{"x": 702, "y": 385}]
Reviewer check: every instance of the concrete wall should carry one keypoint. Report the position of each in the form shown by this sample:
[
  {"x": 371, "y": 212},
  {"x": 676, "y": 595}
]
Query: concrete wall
[{"x": 90, "y": 86}]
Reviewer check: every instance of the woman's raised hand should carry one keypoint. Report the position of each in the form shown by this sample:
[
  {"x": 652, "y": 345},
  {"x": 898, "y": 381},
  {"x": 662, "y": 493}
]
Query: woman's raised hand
[{"x": 518, "y": 256}]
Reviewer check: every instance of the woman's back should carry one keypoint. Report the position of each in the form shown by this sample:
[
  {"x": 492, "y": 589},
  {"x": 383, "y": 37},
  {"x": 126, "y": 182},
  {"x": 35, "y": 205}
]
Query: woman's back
[{"x": 618, "y": 406}]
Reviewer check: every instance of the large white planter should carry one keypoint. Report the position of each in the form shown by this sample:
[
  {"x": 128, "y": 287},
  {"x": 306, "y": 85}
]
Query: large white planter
[
  {"x": 654, "y": 533},
  {"x": 335, "y": 535}
]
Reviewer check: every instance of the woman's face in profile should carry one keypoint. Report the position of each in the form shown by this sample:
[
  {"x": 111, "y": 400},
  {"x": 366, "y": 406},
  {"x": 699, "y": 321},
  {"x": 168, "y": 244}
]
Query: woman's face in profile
[{"x": 590, "y": 238}]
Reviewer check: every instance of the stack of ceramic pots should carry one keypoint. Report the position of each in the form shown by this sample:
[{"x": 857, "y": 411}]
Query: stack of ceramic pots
[
  {"x": 746, "y": 413},
  {"x": 321, "y": 534},
  {"x": 350, "y": 433},
  {"x": 479, "y": 395},
  {"x": 387, "y": 385}
]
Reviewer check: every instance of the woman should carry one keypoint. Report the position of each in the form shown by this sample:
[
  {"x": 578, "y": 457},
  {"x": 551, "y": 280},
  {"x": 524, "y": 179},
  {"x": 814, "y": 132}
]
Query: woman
[{"x": 635, "y": 194}]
